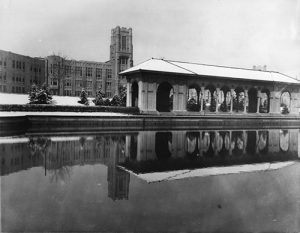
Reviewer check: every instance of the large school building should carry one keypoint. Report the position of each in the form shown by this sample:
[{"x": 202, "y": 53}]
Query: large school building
[{"x": 68, "y": 77}]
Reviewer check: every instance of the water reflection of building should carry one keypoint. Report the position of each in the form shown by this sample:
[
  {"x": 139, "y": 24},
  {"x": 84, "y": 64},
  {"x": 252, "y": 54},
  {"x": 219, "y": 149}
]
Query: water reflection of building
[
  {"x": 148, "y": 151},
  {"x": 58, "y": 154},
  {"x": 183, "y": 149},
  {"x": 118, "y": 180}
]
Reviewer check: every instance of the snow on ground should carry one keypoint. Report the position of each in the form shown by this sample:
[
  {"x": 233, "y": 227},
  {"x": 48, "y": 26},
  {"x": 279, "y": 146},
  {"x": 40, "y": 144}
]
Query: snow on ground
[
  {"x": 11, "y": 114},
  {"x": 7, "y": 98}
]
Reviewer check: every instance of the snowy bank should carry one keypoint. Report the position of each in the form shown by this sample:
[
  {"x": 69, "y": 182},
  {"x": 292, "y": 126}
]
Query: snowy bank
[{"x": 7, "y": 98}]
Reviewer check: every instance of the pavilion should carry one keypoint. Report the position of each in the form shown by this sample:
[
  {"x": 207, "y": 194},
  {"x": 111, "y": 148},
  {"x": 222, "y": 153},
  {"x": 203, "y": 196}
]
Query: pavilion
[{"x": 158, "y": 86}]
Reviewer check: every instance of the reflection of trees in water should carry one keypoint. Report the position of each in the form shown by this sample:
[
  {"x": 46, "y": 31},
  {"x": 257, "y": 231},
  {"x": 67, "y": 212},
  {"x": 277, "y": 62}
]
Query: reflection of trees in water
[
  {"x": 82, "y": 141},
  {"x": 205, "y": 141},
  {"x": 38, "y": 146},
  {"x": 60, "y": 174},
  {"x": 192, "y": 143},
  {"x": 263, "y": 141},
  {"x": 225, "y": 143},
  {"x": 284, "y": 140},
  {"x": 218, "y": 142},
  {"x": 237, "y": 142},
  {"x": 210, "y": 150}
]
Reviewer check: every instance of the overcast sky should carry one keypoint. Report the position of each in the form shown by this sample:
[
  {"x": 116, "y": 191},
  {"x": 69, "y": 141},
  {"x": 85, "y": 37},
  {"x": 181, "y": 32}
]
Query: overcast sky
[{"x": 238, "y": 33}]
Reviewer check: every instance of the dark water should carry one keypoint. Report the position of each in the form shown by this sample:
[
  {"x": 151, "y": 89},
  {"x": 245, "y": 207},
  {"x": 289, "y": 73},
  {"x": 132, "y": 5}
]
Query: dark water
[{"x": 148, "y": 181}]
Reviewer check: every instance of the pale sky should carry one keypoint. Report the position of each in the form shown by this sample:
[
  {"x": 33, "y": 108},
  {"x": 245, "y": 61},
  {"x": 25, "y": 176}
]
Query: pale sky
[{"x": 239, "y": 33}]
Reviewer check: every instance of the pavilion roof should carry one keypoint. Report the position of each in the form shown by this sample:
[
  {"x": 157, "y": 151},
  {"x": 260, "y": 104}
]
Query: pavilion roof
[{"x": 186, "y": 68}]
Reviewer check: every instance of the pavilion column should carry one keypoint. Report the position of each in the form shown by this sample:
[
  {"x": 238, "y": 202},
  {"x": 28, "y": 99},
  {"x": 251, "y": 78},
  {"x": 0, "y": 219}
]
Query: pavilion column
[
  {"x": 231, "y": 99},
  {"x": 258, "y": 101},
  {"x": 217, "y": 98},
  {"x": 202, "y": 98},
  {"x": 245, "y": 101},
  {"x": 142, "y": 96},
  {"x": 129, "y": 94}
]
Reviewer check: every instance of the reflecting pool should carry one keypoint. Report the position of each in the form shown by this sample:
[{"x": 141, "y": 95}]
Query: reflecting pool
[{"x": 201, "y": 180}]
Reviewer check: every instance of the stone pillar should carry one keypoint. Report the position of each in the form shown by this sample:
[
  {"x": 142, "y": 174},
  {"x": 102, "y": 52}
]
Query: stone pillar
[
  {"x": 182, "y": 92},
  {"x": 179, "y": 97},
  {"x": 217, "y": 98},
  {"x": 175, "y": 97},
  {"x": 258, "y": 101},
  {"x": 294, "y": 103},
  {"x": 142, "y": 100},
  {"x": 202, "y": 98},
  {"x": 231, "y": 99},
  {"x": 245, "y": 101},
  {"x": 151, "y": 97},
  {"x": 129, "y": 94}
]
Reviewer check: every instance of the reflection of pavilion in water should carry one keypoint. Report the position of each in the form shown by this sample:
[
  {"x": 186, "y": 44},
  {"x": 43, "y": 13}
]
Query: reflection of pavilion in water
[
  {"x": 163, "y": 151},
  {"x": 58, "y": 154},
  {"x": 146, "y": 152}
]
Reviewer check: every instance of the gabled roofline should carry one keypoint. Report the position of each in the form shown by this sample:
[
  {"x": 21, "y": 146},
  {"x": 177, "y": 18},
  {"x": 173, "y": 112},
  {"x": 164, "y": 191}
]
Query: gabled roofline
[{"x": 171, "y": 62}]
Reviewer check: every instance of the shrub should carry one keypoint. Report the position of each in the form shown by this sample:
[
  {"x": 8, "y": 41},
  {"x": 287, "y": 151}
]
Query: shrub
[
  {"x": 116, "y": 101},
  {"x": 192, "y": 105},
  {"x": 65, "y": 108},
  {"x": 213, "y": 104},
  {"x": 99, "y": 98},
  {"x": 83, "y": 98},
  {"x": 223, "y": 107},
  {"x": 39, "y": 95},
  {"x": 285, "y": 110},
  {"x": 123, "y": 95},
  {"x": 106, "y": 102}
]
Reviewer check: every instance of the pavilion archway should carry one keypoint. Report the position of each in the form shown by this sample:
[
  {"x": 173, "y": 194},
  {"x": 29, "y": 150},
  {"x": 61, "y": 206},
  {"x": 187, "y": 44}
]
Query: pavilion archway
[
  {"x": 209, "y": 98},
  {"x": 264, "y": 105},
  {"x": 252, "y": 95},
  {"x": 224, "y": 99},
  {"x": 164, "y": 97},
  {"x": 193, "y": 98},
  {"x": 135, "y": 94},
  {"x": 238, "y": 99},
  {"x": 285, "y": 102}
]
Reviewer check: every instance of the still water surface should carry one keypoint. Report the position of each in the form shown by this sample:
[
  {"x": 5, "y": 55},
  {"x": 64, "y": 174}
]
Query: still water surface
[{"x": 215, "y": 180}]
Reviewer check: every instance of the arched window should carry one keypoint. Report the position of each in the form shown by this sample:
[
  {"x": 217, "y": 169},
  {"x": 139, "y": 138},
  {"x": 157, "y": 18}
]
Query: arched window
[
  {"x": 193, "y": 98},
  {"x": 210, "y": 98},
  {"x": 224, "y": 99},
  {"x": 264, "y": 105},
  {"x": 285, "y": 102},
  {"x": 238, "y": 99}
]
